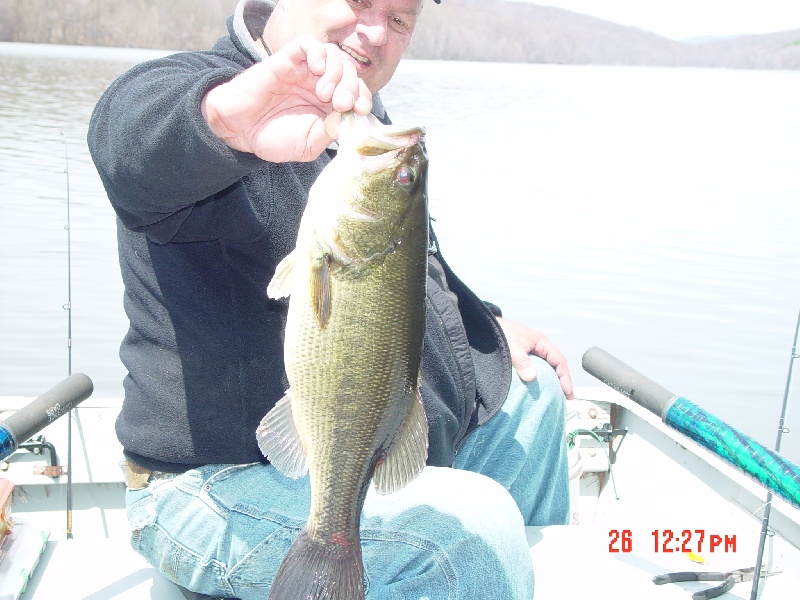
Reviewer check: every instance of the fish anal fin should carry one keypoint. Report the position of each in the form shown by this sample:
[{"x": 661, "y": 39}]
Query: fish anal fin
[
  {"x": 320, "y": 290},
  {"x": 279, "y": 439},
  {"x": 408, "y": 452},
  {"x": 280, "y": 285}
]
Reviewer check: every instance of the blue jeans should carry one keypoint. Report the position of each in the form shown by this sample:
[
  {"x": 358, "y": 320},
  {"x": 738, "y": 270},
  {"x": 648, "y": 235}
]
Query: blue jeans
[{"x": 452, "y": 534}]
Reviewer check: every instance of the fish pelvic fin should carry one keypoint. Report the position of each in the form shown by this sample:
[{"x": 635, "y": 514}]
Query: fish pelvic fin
[
  {"x": 321, "y": 290},
  {"x": 408, "y": 452},
  {"x": 279, "y": 439},
  {"x": 280, "y": 285},
  {"x": 316, "y": 571}
]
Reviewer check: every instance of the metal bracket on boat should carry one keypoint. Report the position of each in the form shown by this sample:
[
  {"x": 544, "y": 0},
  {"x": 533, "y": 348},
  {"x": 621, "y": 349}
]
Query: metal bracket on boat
[
  {"x": 37, "y": 445},
  {"x": 50, "y": 471},
  {"x": 607, "y": 434}
]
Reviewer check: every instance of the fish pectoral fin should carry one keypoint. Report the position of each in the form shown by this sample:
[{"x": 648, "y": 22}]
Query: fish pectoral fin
[
  {"x": 408, "y": 453},
  {"x": 321, "y": 289},
  {"x": 280, "y": 285},
  {"x": 279, "y": 439}
]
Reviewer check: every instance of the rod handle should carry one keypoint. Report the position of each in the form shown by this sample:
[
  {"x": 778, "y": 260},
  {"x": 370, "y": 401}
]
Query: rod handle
[
  {"x": 627, "y": 381},
  {"x": 42, "y": 411}
]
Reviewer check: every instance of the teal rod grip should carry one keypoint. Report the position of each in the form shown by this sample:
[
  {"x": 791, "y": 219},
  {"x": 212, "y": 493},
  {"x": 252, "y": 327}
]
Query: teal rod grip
[
  {"x": 766, "y": 466},
  {"x": 772, "y": 470}
]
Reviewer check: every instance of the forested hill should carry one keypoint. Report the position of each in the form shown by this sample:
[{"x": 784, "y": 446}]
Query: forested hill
[
  {"x": 494, "y": 30},
  {"x": 480, "y": 30}
]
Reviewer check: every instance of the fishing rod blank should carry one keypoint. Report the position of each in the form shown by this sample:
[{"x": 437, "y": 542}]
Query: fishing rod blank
[
  {"x": 772, "y": 470},
  {"x": 37, "y": 415},
  {"x": 762, "y": 540}
]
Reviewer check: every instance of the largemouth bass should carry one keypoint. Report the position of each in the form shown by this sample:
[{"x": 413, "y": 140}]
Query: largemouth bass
[{"x": 353, "y": 413}]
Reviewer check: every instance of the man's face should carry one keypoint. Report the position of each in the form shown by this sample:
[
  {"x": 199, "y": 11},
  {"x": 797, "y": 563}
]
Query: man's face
[{"x": 372, "y": 33}]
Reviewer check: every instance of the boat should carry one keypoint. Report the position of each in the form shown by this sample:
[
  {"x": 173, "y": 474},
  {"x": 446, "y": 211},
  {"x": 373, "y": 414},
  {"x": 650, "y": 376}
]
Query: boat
[{"x": 645, "y": 501}]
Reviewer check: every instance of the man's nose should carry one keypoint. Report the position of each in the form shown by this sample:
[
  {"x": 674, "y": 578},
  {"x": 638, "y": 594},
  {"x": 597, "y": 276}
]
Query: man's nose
[{"x": 375, "y": 28}]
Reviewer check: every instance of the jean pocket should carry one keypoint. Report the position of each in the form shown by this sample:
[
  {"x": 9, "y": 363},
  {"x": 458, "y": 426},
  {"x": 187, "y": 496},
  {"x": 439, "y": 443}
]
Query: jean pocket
[
  {"x": 178, "y": 563},
  {"x": 133, "y": 497},
  {"x": 258, "y": 567},
  {"x": 140, "y": 508}
]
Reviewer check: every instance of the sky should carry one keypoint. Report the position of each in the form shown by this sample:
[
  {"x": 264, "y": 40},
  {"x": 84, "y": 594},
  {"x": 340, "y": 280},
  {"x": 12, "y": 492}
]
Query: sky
[{"x": 680, "y": 19}]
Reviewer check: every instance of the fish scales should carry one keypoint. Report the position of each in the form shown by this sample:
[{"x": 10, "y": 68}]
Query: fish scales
[
  {"x": 360, "y": 377},
  {"x": 353, "y": 342}
]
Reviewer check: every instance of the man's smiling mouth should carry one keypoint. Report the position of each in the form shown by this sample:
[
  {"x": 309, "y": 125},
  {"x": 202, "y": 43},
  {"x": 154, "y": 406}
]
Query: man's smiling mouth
[{"x": 362, "y": 59}]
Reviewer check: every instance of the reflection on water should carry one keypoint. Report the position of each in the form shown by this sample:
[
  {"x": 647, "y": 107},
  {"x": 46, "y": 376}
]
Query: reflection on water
[{"x": 652, "y": 212}]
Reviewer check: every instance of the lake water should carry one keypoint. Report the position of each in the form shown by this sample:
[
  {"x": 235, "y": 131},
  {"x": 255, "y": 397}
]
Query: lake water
[{"x": 654, "y": 212}]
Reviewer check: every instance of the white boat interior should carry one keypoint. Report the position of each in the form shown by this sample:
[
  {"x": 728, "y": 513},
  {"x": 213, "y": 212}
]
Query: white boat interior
[{"x": 663, "y": 495}]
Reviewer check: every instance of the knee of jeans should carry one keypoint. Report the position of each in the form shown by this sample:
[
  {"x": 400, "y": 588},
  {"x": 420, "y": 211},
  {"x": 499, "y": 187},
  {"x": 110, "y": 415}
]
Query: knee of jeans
[
  {"x": 492, "y": 557},
  {"x": 491, "y": 512},
  {"x": 449, "y": 534}
]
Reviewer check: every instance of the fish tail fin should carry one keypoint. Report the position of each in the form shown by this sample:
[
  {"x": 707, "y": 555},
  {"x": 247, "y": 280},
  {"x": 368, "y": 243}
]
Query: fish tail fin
[{"x": 316, "y": 571}]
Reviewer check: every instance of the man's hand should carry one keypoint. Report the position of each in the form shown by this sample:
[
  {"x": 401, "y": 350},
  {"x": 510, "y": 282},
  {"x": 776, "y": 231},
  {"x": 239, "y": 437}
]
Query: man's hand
[
  {"x": 523, "y": 341},
  {"x": 277, "y": 108}
]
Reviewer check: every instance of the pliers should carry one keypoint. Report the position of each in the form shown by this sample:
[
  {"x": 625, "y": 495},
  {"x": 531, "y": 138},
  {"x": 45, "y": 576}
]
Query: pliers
[{"x": 729, "y": 579}]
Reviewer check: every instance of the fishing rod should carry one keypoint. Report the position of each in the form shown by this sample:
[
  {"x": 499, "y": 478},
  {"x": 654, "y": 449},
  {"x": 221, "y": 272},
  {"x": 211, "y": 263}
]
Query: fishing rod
[
  {"x": 773, "y": 471},
  {"x": 68, "y": 308},
  {"x": 781, "y": 430}
]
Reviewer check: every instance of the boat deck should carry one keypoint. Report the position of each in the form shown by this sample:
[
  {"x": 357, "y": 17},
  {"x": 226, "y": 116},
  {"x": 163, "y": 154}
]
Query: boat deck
[
  {"x": 575, "y": 562},
  {"x": 570, "y": 562},
  {"x": 660, "y": 482}
]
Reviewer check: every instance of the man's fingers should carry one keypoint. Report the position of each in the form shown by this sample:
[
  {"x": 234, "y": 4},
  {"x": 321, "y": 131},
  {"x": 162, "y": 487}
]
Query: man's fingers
[
  {"x": 363, "y": 103},
  {"x": 331, "y": 78},
  {"x": 332, "y": 124},
  {"x": 562, "y": 370},
  {"x": 351, "y": 93},
  {"x": 558, "y": 361},
  {"x": 346, "y": 92},
  {"x": 316, "y": 54},
  {"x": 281, "y": 109},
  {"x": 338, "y": 82},
  {"x": 524, "y": 366}
]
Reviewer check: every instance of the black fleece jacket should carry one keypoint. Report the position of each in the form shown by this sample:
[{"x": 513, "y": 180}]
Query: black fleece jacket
[{"x": 201, "y": 228}]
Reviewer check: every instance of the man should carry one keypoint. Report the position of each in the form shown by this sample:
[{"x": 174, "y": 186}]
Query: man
[{"x": 207, "y": 158}]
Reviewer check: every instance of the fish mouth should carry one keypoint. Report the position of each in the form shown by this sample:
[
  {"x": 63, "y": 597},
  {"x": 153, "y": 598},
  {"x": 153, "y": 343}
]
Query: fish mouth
[
  {"x": 360, "y": 58},
  {"x": 370, "y": 137}
]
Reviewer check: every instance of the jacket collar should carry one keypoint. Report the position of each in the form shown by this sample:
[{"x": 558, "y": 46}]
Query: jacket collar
[{"x": 249, "y": 21}]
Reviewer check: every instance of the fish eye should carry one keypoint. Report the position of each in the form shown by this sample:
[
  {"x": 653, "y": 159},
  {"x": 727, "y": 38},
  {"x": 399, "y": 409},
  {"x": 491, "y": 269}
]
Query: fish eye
[{"x": 404, "y": 176}]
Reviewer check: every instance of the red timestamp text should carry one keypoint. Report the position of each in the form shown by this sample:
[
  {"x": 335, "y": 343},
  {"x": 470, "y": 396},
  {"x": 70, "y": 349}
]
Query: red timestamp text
[
  {"x": 668, "y": 540},
  {"x": 692, "y": 540}
]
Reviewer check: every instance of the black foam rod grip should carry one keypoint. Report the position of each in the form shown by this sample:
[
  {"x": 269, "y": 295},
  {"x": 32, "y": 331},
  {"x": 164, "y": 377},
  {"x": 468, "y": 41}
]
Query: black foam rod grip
[
  {"x": 627, "y": 381},
  {"x": 48, "y": 407}
]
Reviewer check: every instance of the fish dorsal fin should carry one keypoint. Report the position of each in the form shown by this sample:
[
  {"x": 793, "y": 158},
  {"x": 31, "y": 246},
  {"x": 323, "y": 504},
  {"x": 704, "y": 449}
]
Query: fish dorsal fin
[
  {"x": 408, "y": 453},
  {"x": 280, "y": 285},
  {"x": 279, "y": 439},
  {"x": 320, "y": 289}
]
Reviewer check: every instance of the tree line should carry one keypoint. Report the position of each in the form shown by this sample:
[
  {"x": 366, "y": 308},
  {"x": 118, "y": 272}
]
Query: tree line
[
  {"x": 475, "y": 30},
  {"x": 162, "y": 24}
]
